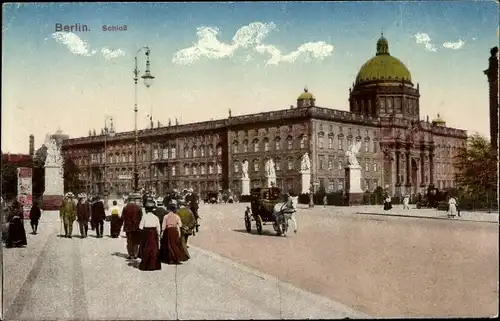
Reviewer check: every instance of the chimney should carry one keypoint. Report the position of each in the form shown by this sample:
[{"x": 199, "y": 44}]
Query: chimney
[{"x": 32, "y": 145}]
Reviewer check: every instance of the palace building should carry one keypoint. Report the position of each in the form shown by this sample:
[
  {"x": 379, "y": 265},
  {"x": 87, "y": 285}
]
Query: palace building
[{"x": 399, "y": 152}]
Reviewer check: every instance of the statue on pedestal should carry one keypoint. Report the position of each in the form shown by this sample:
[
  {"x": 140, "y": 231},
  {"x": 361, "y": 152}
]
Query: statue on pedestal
[
  {"x": 244, "y": 169},
  {"x": 269, "y": 168},
  {"x": 351, "y": 153},
  {"x": 54, "y": 157},
  {"x": 305, "y": 163}
]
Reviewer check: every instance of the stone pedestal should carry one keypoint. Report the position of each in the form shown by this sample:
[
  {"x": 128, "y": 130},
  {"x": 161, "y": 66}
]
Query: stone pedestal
[
  {"x": 305, "y": 179},
  {"x": 54, "y": 188},
  {"x": 271, "y": 181},
  {"x": 354, "y": 193},
  {"x": 245, "y": 186}
]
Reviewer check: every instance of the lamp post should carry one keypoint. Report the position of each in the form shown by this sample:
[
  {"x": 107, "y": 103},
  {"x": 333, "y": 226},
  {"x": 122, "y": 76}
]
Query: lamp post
[
  {"x": 148, "y": 81},
  {"x": 107, "y": 131},
  {"x": 150, "y": 118}
]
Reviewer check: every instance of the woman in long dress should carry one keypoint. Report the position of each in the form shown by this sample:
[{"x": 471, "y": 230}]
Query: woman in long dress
[
  {"x": 149, "y": 248},
  {"x": 16, "y": 233},
  {"x": 115, "y": 225},
  {"x": 452, "y": 207},
  {"x": 172, "y": 251}
]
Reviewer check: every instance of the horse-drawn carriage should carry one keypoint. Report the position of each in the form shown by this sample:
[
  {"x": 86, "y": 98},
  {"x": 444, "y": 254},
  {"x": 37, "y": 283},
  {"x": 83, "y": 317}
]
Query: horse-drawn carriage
[{"x": 266, "y": 206}]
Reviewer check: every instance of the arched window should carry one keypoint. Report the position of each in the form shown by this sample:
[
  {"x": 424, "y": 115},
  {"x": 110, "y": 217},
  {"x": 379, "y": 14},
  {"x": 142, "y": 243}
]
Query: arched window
[
  {"x": 173, "y": 152},
  {"x": 186, "y": 170},
  {"x": 195, "y": 170},
  {"x": 278, "y": 143},
  {"x": 321, "y": 140},
  {"x": 173, "y": 170},
  {"x": 256, "y": 145},
  {"x": 330, "y": 142},
  {"x": 245, "y": 146},
  {"x": 202, "y": 151},
  {"x": 290, "y": 163},
  {"x": 219, "y": 150},
  {"x": 340, "y": 142},
  {"x": 219, "y": 168},
  {"x": 235, "y": 147},
  {"x": 289, "y": 142},
  {"x": 256, "y": 165},
  {"x": 266, "y": 145},
  {"x": 195, "y": 154}
]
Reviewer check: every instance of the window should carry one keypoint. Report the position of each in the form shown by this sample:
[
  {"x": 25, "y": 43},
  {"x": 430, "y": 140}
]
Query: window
[
  {"x": 375, "y": 146},
  {"x": 235, "y": 148},
  {"x": 278, "y": 144},
  {"x": 367, "y": 167},
  {"x": 366, "y": 147},
  {"x": 349, "y": 142},
  {"x": 202, "y": 151},
  {"x": 202, "y": 169},
  {"x": 290, "y": 164},
  {"x": 155, "y": 153},
  {"x": 130, "y": 158},
  {"x": 219, "y": 169},
  {"x": 340, "y": 184},
  {"x": 277, "y": 164},
  {"x": 266, "y": 146},
  {"x": 173, "y": 152},
  {"x": 210, "y": 151},
  {"x": 256, "y": 166},
  {"x": 236, "y": 167},
  {"x": 195, "y": 170},
  {"x": 321, "y": 141},
  {"x": 340, "y": 143},
  {"x": 290, "y": 143},
  {"x": 331, "y": 186},
  {"x": 186, "y": 170},
  {"x": 330, "y": 142},
  {"x": 330, "y": 164},
  {"x": 322, "y": 162},
  {"x": 303, "y": 141},
  {"x": 339, "y": 164},
  {"x": 210, "y": 169},
  {"x": 219, "y": 150},
  {"x": 374, "y": 166},
  {"x": 194, "y": 151},
  {"x": 256, "y": 145},
  {"x": 173, "y": 170},
  {"x": 245, "y": 147}
]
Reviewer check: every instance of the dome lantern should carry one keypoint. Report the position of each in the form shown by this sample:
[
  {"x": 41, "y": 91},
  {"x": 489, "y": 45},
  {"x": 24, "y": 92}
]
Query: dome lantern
[
  {"x": 382, "y": 46},
  {"x": 306, "y": 99}
]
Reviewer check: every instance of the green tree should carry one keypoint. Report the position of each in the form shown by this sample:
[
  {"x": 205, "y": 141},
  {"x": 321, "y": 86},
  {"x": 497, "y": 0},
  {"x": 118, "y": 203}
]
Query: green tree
[
  {"x": 476, "y": 166},
  {"x": 72, "y": 182}
]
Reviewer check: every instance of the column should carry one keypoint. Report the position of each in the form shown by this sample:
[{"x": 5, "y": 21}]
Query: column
[
  {"x": 408, "y": 169},
  {"x": 398, "y": 174},
  {"x": 431, "y": 167},
  {"x": 422, "y": 168},
  {"x": 392, "y": 160}
]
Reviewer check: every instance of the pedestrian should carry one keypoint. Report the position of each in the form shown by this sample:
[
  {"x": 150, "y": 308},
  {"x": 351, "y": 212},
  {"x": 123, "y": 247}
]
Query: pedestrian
[
  {"x": 131, "y": 217},
  {"x": 325, "y": 200},
  {"x": 67, "y": 213},
  {"x": 35, "y": 214},
  {"x": 387, "y": 203},
  {"x": 115, "y": 221},
  {"x": 16, "y": 235},
  {"x": 452, "y": 207},
  {"x": 160, "y": 212},
  {"x": 406, "y": 202},
  {"x": 172, "y": 251},
  {"x": 192, "y": 201},
  {"x": 83, "y": 215},
  {"x": 98, "y": 216},
  {"x": 150, "y": 242}
]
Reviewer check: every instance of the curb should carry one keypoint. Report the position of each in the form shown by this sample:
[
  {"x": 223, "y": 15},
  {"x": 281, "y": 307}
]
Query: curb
[{"x": 428, "y": 217}]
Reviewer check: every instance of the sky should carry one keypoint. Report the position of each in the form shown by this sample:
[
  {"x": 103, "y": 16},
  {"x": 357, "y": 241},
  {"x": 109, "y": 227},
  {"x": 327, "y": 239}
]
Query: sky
[{"x": 249, "y": 57}]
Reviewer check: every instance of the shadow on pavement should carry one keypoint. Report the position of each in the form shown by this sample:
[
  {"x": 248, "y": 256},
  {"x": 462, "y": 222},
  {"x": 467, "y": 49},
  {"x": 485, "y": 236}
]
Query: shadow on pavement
[
  {"x": 122, "y": 255},
  {"x": 134, "y": 264},
  {"x": 254, "y": 232}
]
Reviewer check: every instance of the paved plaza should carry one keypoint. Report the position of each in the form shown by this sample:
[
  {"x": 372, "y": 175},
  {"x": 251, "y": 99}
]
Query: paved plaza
[{"x": 339, "y": 264}]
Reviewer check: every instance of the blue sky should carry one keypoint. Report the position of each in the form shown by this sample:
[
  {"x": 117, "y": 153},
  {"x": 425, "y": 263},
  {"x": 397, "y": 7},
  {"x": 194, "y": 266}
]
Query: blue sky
[{"x": 279, "y": 48}]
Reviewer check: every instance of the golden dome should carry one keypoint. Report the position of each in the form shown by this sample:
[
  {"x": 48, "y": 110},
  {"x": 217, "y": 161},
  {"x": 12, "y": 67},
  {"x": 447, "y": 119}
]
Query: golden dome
[
  {"x": 306, "y": 95},
  {"x": 383, "y": 67}
]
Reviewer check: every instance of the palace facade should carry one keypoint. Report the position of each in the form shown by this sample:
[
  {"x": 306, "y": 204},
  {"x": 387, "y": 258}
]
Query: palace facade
[{"x": 399, "y": 152}]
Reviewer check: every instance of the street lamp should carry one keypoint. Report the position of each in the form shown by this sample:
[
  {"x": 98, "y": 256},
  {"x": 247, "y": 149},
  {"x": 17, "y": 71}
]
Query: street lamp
[
  {"x": 148, "y": 81},
  {"x": 111, "y": 132}
]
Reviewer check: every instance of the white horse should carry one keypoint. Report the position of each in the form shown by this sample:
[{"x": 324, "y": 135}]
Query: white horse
[{"x": 284, "y": 212}]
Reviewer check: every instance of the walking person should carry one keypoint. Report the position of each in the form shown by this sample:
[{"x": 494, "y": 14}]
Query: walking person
[
  {"x": 172, "y": 250},
  {"x": 406, "y": 202},
  {"x": 35, "y": 214},
  {"x": 131, "y": 217},
  {"x": 67, "y": 214},
  {"x": 387, "y": 203},
  {"x": 160, "y": 212},
  {"x": 98, "y": 216},
  {"x": 150, "y": 242},
  {"x": 16, "y": 235},
  {"x": 193, "y": 201},
  {"x": 83, "y": 215},
  {"x": 115, "y": 225},
  {"x": 452, "y": 207},
  {"x": 325, "y": 200}
]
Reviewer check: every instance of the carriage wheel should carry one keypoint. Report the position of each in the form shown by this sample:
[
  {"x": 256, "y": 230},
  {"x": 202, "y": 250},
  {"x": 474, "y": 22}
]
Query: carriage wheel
[
  {"x": 258, "y": 224},
  {"x": 248, "y": 225}
]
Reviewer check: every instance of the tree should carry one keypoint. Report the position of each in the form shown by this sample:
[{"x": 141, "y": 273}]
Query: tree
[
  {"x": 72, "y": 182},
  {"x": 476, "y": 167},
  {"x": 9, "y": 179}
]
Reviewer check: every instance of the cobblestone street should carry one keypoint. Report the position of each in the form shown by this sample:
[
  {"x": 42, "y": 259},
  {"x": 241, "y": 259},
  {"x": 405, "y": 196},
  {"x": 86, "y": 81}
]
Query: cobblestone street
[{"x": 385, "y": 266}]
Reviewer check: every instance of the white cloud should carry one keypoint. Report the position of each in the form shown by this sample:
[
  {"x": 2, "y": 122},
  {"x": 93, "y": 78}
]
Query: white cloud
[
  {"x": 454, "y": 45},
  {"x": 75, "y": 45},
  {"x": 423, "y": 38},
  {"x": 247, "y": 37},
  {"x": 317, "y": 50},
  {"x": 112, "y": 53}
]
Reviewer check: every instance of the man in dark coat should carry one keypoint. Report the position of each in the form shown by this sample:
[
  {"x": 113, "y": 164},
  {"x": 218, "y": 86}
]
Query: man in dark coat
[
  {"x": 83, "y": 215},
  {"x": 16, "y": 235},
  {"x": 98, "y": 216},
  {"x": 35, "y": 214},
  {"x": 192, "y": 201},
  {"x": 131, "y": 217}
]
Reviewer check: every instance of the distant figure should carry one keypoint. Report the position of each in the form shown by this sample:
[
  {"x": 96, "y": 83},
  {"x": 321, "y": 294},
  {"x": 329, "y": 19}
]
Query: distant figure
[
  {"x": 35, "y": 214},
  {"x": 406, "y": 202},
  {"x": 16, "y": 235},
  {"x": 83, "y": 215},
  {"x": 67, "y": 214},
  {"x": 116, "y": 220},
  {"x": 131, "y": 217},
  {"x": 150, "y": 242},
  {"x": 452, "y": 207},
  {"x": 98, "y": 216},
  {"x": 325, "y": 200},
  {"x": 387, "y": 203},
  {"x": 192, "y": 201}
]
